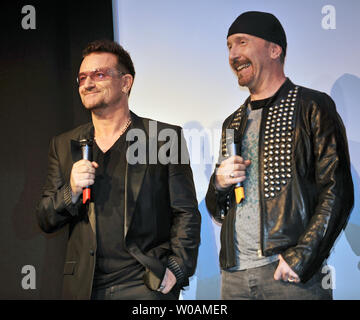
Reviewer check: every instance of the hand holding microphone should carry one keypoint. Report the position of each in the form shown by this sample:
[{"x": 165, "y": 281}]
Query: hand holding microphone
[
  {"x": 83, "y": 174},
  {"x": 231, "y": 171}
]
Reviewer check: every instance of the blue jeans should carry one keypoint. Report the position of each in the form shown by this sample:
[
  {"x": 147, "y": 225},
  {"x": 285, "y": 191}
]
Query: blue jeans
[{"x": 259, "y": 284}]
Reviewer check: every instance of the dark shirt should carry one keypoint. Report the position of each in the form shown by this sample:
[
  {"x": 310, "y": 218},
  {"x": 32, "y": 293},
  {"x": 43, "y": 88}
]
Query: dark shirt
[
  {"x": 257, "y": 104},
  {"x": 114, "y": 264}
]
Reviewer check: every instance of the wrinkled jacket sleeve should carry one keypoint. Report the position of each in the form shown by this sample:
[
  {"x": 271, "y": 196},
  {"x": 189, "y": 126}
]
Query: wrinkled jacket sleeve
[
  {"x": 55, "y": 207},
  {"x": 185, "y": 229},
  {"x": 334, "y": 184}
]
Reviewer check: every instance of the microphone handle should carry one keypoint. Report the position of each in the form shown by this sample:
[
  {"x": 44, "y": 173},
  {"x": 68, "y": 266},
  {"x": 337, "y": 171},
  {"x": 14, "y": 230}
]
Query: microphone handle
[
  {"x": 239, "y": 188},
  {"x": 86, "y": 154}
]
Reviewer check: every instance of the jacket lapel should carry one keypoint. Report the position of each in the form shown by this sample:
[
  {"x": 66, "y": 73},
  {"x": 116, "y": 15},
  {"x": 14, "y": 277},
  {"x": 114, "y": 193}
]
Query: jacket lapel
[{"x": 134, "y": 177}]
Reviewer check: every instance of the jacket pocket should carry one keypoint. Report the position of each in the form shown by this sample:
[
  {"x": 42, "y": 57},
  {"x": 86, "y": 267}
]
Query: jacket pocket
[
  {"x": 151, "y": 280},
  {"x": 69, "y": 267}
]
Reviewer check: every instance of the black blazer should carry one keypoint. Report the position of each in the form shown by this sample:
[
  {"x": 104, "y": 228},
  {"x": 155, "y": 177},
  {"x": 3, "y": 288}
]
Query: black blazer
[{"x": 162, "y": 221}]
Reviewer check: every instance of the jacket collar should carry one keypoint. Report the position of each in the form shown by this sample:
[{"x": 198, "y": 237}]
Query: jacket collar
[{"x": 285, "y": 87}]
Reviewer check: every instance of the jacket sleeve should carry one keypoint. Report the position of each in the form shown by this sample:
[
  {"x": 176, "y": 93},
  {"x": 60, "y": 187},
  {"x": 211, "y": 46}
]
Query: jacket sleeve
[
  {"x": 335, "y": 189},
  {"x": 186, "y": 218},
  {"x": 218, "y": 202},
  {"x": 55, "y": 207}
]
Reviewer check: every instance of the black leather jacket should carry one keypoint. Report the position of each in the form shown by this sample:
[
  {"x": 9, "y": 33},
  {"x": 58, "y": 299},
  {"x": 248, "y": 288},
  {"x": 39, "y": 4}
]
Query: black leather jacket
[{"x": 306, "y": 189}]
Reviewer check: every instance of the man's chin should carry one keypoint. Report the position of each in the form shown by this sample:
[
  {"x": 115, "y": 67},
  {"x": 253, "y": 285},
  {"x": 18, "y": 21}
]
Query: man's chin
[
  {"x": 243, "y": 83},
  {"x": 95, "y": 107}
]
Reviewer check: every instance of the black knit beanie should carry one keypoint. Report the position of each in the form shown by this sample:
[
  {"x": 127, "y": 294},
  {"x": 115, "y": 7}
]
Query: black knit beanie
[{"x": 260, "y": 24}]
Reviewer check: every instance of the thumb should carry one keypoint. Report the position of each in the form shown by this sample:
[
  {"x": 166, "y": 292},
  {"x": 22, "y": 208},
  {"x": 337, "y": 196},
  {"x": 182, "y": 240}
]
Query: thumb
[
  {"x": 247, "y": 162},
  {"x": 95, "y": 165},
  {"x": 277, "y": 274}
]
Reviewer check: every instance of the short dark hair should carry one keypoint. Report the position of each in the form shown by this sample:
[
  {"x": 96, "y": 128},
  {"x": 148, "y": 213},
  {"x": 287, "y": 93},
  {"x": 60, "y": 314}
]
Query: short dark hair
[{"x": 113, "y": 47}]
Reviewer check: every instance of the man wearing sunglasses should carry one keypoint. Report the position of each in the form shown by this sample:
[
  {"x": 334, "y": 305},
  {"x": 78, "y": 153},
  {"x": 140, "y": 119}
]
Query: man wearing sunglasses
[{"x": 137, "y": 236}]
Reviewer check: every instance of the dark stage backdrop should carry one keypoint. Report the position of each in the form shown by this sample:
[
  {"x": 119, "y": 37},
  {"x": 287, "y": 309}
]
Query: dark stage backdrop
[{"x": 39, "y": 99}]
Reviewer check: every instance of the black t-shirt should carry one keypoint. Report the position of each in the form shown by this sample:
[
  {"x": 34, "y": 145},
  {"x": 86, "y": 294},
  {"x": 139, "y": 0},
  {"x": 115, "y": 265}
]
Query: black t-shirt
[
  {"x": 114, "y": 264},
  {"x": 257, "y": 104}
]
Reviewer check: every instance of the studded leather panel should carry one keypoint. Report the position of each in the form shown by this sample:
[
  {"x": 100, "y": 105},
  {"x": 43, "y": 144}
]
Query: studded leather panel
[{"x": 278, "y": 145}]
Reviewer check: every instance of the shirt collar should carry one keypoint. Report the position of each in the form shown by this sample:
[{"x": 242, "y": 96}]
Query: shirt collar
[{"x": 258, "y": 104}]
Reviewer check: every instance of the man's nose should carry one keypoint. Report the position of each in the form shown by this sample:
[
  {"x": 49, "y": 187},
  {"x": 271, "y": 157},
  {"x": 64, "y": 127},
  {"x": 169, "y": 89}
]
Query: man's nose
[
  {"x": 89, "y": 83},
  {"x": 234, "y": 54}
]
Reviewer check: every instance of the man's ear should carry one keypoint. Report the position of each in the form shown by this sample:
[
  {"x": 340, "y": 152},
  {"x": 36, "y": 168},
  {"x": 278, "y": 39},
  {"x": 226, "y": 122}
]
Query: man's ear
[
  {"x": 275, "y": 51},
  {"x": 127, "y": 83}
]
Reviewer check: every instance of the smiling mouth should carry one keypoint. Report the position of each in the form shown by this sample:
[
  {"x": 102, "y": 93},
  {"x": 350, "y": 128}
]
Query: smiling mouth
[
  {"x": 86, "y": 94},
  {"x": 243, "y": 66}
]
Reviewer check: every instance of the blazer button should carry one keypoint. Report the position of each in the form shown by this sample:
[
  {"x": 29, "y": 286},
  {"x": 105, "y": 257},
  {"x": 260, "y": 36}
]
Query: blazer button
[{"x": 91, "y": 252}]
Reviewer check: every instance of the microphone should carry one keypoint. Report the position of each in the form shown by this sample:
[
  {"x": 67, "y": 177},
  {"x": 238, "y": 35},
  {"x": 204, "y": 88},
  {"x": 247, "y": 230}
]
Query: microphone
[
  {"x": 239, "y": 188},
  {"x": 236, "y": 150},
  {"x": 86, "y": 150}
]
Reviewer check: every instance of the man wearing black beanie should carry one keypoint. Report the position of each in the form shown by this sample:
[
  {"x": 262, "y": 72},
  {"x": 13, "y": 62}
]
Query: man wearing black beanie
[{"x": 285, "y": 193}]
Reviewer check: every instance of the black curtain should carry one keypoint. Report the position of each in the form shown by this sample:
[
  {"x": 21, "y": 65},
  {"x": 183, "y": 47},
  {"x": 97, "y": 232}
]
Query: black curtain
[{"x": 39, "y": 99}]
